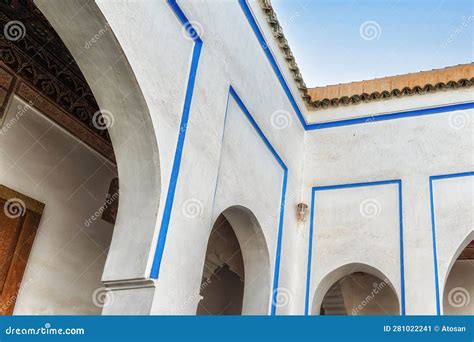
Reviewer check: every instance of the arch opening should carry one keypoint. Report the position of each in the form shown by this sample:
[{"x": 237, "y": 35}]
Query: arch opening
[
  {"x": 49, "y": 99},
  {"x": 95, "y": 48},
  {"x": 236, "y": 275},
  {"x": 77, "y": 95},
  {"x": 222, "y": 286},
  {"x": 458, "y": 294},
  {"x": 355, "y": 289}
]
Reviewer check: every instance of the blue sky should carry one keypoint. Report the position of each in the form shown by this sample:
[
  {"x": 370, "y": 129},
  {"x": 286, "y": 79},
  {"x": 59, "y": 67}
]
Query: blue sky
[{"x": 338, "y": 41}]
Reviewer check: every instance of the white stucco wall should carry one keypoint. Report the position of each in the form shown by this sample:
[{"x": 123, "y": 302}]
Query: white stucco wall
[
  {"x": 412, "y": 150},
  {"x": 350, "y": 225},
  {"x": 409, "y": 149},
  {"x": 42, "y": 161},
  {"x": 228, "y": 57},
  {"x": 241, "y": 180},
  {"x": 454, "y": 227}
]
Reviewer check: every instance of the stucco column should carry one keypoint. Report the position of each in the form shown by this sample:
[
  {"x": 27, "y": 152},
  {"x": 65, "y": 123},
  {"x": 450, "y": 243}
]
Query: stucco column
[
  {"x": 420, "y": 292},
  {"x": 90, "y": 38}
]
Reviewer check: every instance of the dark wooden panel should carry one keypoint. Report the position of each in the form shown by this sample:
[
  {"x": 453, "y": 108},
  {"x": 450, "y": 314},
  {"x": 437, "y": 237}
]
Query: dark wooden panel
[
  {"x": 111, "y": 202},
  {"x": 10, "y": 229},
  {"x": 468, "y": 252},
  {"x": 19, "y": 261},
  {"x": 19, "y": 219}
]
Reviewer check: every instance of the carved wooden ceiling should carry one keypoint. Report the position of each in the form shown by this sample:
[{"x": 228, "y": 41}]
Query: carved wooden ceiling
[{"x": 41, "y": 61}]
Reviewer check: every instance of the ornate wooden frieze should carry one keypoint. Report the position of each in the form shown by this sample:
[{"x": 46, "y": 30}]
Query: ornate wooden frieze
[
  {"x": 34, "y": 53},
  {"x": 7, "y": 85},
  {"x": 60, "y": 117},
  {"x": 36, "y": 65}
]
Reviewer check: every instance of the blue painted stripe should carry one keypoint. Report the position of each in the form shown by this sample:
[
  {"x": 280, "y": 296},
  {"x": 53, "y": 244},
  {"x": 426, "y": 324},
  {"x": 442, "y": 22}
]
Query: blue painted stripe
[
  {"x": 271, "y": 59},
  {"x": 453, "y": 175},
  {"x": 257, "y": 128},
  {"x": 435, "y": 253},
  {"x": 310, "y": 253},
  {"x": 310, "y": 244},
  {"x": 353, "y": 185},
  {"x": 276, "y": 274},
  {"x": 433, "y": 229},
  {"x": 269, "y": 146},
  {"x": 391, "y": 116},
  {"x": 402, "y": 256},
  {"x": 155, "y": 269}
]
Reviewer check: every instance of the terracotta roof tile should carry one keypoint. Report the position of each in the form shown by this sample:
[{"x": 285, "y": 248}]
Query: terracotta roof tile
[{"x": 460, "y": 76}]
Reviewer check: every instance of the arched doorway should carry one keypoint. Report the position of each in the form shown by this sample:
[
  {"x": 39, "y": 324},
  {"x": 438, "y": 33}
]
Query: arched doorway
[
  {"x": 53, "y": 258},
  {"x": 236, "y": 275},
  {"x": 356, "y": 289},
  {"x": 93, "y": 45},
  {"x": 222, "y": 286},
  {"x": 458, "y": 294},
  {"x": 77, "y": 234}
]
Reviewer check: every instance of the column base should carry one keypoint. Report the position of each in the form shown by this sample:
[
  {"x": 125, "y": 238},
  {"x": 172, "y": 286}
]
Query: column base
[{"x": 129, "y": 297}]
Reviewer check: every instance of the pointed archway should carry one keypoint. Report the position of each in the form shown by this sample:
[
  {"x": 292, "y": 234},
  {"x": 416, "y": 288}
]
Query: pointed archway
[
  {"x": 93, "y": 45},
  {"x": 237, "y": 275},
  {"x": 458, "y": 293}
]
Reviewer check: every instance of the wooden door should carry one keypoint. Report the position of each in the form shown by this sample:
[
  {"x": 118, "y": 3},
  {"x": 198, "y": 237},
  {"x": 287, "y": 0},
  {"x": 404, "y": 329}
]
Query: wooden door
[{"x": 19, "y": 220}]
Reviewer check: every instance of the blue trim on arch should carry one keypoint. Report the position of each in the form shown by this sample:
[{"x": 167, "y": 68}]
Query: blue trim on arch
[
  {"x": 311, "y": 229},
  {"x": 433, "y": 229},
  {"x": 269, "y": 146},
  {"x": 155, "y": 269},
  {"x": 347, "y": 122}
]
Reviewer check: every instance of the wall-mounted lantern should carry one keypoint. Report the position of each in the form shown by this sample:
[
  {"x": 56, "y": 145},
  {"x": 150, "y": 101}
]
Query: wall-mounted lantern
[{"x": 302, "y": 211}]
